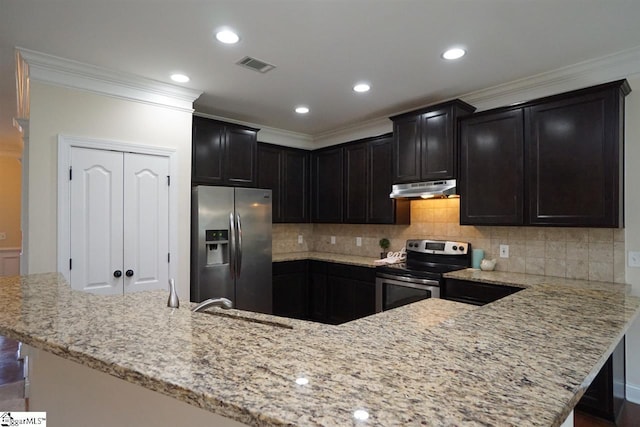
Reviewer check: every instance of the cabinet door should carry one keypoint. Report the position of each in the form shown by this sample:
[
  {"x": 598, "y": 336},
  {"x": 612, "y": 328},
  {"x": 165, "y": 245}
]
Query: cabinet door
[
  {"x": 438, "y": 156},
  {"x": 295, "y": 186},
  {"x": 270, "y": 176},
  {"x": 406, "y": 149},
  {"x": 208, "y": 151},
  {"x": 327, "y": 185},
  {"x": 491, "y": 163},
  {"x": 355, "y": 183},
  {"x": 573, "y": 161},
  {"x": 318, "y": 291},
  {"x": 381, "y": 209},
  {"x": 240, "y": 157},
  {"x": 290, "y": 293}
]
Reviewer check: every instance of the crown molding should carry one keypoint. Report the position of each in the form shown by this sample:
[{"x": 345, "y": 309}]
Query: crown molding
[
  {"x": 270, "y": 134},
  {"x": 618, "y": 65},
  {"x": 76, "y": 75}
]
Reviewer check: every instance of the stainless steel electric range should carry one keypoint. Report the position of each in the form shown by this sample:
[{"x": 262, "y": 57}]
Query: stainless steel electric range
[{"x": 421, "y": 276}]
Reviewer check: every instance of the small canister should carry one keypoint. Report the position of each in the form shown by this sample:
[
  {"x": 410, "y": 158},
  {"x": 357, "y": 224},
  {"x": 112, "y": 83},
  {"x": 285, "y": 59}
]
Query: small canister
[{"x": 476, "y": 257}]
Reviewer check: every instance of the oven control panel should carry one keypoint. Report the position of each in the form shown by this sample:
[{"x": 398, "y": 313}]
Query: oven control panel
[{"x": 440, "y": 247}]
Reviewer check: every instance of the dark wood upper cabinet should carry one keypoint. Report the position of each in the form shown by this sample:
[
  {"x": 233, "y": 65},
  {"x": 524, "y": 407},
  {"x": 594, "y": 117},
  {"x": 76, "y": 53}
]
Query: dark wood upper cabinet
[
  {"x": 491, "y": 180},
  {"x": 368, "y": 176},
  {"x": 425, "y": 142},
  {"x": 285, "y": 171},
  {"x": 356, "y": 177},
  {"x": 552, "y": 161},
  {"x": 223, "y": 153},
  {"x": 270, "y": 176},
  {"x": 574, "y": 163},
  {"x": 327, "y": 185},
  {"x": 381, "y": 209},
  {"x": 295, "y": 191}
]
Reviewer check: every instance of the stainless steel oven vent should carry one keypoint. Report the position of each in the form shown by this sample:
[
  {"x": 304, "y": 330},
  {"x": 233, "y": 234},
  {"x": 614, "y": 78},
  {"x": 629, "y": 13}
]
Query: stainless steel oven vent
[{"x": 255, "y": 64}]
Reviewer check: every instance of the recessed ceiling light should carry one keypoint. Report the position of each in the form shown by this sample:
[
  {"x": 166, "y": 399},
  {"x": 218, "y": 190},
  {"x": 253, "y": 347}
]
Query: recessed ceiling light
[
  {"x": 180, "y": 78},
  {"x": 454, "y": 53},
  {"x": 302, "y": 109},
  {"x": 227, "y": 37},
  {"x": 361, "y": 87}
]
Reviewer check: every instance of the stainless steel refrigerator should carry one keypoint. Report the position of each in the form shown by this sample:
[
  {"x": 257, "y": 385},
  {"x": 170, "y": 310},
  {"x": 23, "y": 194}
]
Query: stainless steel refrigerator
[{"x": 231, "y": 246}]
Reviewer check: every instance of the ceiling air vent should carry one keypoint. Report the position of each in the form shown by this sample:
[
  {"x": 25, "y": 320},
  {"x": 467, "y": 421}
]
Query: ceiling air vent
[{"x": 255, "y": 64}]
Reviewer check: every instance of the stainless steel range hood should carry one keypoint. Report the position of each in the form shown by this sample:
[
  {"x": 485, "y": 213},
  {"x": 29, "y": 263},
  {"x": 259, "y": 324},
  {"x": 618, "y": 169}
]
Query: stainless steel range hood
[{"x": 424, "y": 190}]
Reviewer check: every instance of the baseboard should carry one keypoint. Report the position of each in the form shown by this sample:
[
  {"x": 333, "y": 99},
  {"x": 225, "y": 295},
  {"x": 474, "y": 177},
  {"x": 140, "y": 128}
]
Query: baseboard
[{"x": 633, "y": 393}]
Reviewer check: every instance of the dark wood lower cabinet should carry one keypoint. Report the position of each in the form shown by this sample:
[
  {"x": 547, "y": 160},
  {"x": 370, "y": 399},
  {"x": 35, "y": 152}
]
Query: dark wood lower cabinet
[
  {"x": 475, "y": 293},
  {"x": 290, "y": 289},
  {"x": 322, "y": 291},
  {"x": 605, "y": 396}
]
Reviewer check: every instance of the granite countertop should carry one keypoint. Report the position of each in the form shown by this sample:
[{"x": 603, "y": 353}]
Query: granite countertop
[
  {"x": 524, "y": 360},
  {"x": 362, "y": 261}
]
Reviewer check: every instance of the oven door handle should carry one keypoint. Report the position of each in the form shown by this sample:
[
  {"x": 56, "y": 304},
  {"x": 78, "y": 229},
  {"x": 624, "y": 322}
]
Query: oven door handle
[{"x": 407, "y": 281}]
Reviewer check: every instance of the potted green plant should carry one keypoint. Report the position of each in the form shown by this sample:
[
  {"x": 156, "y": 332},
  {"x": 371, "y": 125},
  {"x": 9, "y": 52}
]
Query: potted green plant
[{"x": 384, "y": 245}]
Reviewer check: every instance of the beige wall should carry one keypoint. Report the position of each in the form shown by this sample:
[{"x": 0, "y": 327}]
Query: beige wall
[
  {"x": 577, "y": 253},
  {"x": 10, "y": 188},
  {"x": 632, "y": 226},
  {"x": 56, "y": 110}
]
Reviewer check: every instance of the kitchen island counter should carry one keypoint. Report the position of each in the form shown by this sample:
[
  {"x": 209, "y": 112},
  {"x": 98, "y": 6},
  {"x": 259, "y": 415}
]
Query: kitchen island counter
[{"x": 523, "y": 360}]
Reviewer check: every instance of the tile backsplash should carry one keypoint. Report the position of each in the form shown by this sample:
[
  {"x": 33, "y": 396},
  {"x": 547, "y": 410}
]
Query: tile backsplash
[{"x": 575, "y": 253}]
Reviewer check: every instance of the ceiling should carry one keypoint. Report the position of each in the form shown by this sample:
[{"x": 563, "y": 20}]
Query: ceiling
[{"x": 320, "y": 48}]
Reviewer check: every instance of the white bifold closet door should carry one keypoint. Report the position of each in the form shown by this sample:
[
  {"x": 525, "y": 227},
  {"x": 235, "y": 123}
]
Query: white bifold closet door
[{"x": 119, "y": 221}]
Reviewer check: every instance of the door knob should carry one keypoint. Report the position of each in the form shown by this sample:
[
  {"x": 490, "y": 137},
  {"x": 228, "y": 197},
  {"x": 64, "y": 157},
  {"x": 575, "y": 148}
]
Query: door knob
[
  {"x": 117, "y": 273},
  {"x": 129, "y": 273}
]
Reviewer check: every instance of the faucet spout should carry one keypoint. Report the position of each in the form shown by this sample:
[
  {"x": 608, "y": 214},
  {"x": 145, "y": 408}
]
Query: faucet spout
[{"x": 213, "y": 302}]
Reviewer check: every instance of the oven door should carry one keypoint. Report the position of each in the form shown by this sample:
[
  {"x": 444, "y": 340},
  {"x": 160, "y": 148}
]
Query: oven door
[{"x": 396, "y": 291}]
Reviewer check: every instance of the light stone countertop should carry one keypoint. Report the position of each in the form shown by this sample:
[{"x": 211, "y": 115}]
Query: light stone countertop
[
  {"x": 325, "y": 256},
  {"x": 524, "y": 360}
]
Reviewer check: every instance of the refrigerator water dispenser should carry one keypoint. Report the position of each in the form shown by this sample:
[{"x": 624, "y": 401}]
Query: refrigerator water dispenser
[{"x": 217, "y": 244}]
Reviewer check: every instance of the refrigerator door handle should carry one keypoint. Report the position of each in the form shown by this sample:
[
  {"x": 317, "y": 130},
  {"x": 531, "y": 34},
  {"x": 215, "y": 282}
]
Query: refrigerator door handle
[
  {"x": 232, "y": 246},
  {"x": 239, "y": 246}
]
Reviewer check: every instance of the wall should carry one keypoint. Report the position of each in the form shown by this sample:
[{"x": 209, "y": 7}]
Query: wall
[
  {"x": 10, "y": 187},
  {"x": 576, "y": 253},
  {"x": 56, "y": 110},
  {"x": 632, "y": 227}
]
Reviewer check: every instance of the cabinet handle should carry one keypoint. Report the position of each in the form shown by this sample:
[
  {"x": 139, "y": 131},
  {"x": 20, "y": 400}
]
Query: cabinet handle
[
  {"x": 117, "y": 273},
  {"x": 129, "y": 273}
]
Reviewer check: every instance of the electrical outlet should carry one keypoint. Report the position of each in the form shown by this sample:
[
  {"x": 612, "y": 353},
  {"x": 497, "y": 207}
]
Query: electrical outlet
[
  {"x": 358, "y": 241},
  {"x": 333, "y": 240},
  {"x": 3, "y": 236},
  {"x": 504, "y": 251},
  {"x": 300, "y": 240},
  {"x": 634, "y": 259}
]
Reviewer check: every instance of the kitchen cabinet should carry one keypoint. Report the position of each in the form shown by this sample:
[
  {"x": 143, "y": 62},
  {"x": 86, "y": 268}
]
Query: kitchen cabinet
[
  {"x": 491, "y": 180},
  {"x": 606, "y": 395},
  {"x": 285, "y": 171},
  {"x": 223, "y": 153},
  {"x": 367, "y": 183},
  {"x": 425, "y": 142},
  {"x": 336, "y": 293},
  {"x": 475, "y": 293},
  {"x": 552, "y": 161},
  {"x": 290, "y": 289},
  {"x": 574, "y": 158},
  {"x": 350, "y": 292},
  {"x": 327, "y": 185}
]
